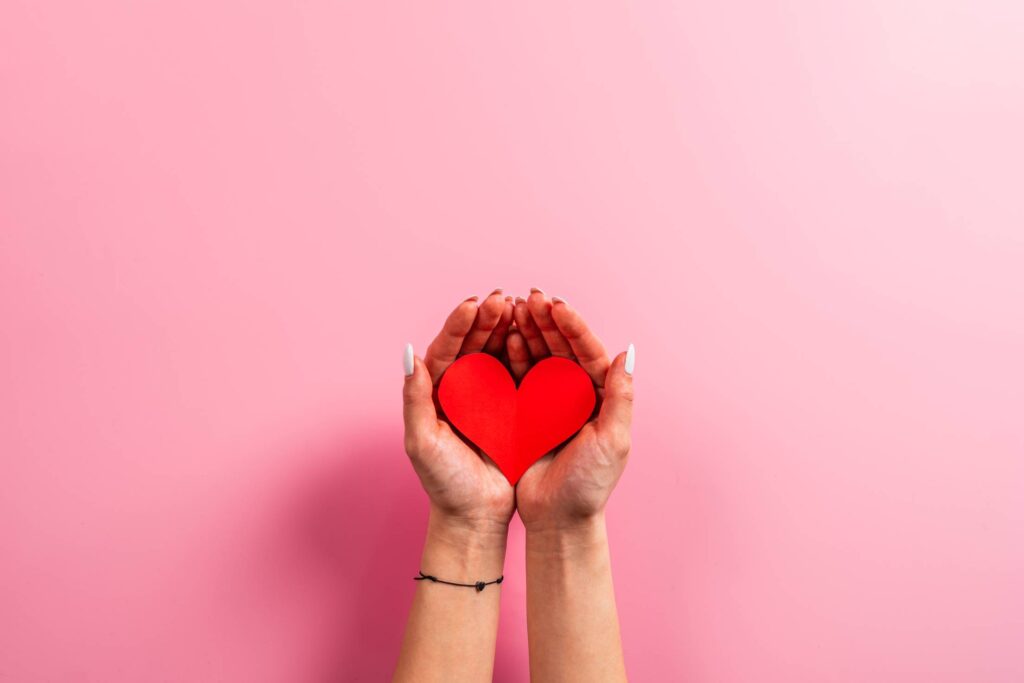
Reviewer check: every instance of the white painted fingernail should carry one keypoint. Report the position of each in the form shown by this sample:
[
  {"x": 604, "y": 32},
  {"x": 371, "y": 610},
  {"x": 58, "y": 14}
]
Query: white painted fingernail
[
  {"x": 408, "y": 361},
  {"x": 559, "y": 300},
  {"x": 536, "y": 290},
  {"x": 630, "y": 359}
]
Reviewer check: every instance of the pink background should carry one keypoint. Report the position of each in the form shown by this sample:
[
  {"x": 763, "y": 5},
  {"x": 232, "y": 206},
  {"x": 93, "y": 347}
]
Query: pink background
[{"x": 221, "y": 221}]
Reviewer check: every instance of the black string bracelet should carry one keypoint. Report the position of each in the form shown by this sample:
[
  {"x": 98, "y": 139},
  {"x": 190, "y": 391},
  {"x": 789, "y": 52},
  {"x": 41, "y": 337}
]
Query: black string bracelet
[{"x": 479, "y": 585}]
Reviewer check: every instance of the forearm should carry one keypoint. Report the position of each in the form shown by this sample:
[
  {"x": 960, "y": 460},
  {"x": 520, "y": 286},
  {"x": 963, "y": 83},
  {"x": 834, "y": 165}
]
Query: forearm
[
  {"x": 451, "y": 631},
  {"x": 570, "y": 600}
]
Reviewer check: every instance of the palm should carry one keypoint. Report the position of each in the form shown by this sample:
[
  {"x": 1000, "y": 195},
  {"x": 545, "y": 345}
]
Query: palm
[
  {"x": 461, "y": 481},
  {"x": 570, "y": 482},
  {"x": 575, "y": 480}
]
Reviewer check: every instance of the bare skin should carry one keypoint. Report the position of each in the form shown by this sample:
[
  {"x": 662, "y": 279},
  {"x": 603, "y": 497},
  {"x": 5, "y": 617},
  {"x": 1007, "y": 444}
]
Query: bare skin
[
  {"x": 572, "y": 621},
  {"x": 451, "y": 631}
]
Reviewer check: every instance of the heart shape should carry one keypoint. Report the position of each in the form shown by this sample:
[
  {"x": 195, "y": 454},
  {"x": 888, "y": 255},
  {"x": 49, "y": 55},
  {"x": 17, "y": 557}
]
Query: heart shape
[{"x": 515, "y": 427}]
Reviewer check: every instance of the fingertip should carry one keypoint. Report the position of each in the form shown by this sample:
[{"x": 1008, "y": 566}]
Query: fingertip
[
  {"x": 537, "y": 300},
  {"x": 515, "y": 342},
  {"x": 408, "y": 360},
  {"x": 462, "y": 317},
  {"x": 617, "y": 407},
  {"x": 617, "y": 371},
  {"x": 563, "y": 314},
  {"x": 540, "y": 308},
  {"x": 521, "y": 314},
  {"x": 491, "y": 310},
  {"x": 417, "y": 376},
  {"x": 496, "y": 342}
]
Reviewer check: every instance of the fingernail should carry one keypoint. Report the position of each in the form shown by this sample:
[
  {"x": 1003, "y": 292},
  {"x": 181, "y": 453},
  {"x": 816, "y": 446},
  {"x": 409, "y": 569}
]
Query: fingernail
[
  {"x": 407, "y": 360},
  {"x": 497, "y": 290},
  {"x": 536, "y": 290},
  {"x": 630, "y": 359},
  {"x": 520, "y": 300},
  {"x": 558, "y": 300},
  {"x": 472, "y": 298},
  {"x": 508, "y": 299}
]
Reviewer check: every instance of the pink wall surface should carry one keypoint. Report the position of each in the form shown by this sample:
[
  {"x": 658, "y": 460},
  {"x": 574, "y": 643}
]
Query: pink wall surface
[{"x": 221, "y": 222}]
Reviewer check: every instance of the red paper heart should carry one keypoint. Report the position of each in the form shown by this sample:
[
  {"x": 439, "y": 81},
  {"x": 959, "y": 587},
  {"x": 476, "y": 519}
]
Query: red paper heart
[{"x": 516, "y": 427}]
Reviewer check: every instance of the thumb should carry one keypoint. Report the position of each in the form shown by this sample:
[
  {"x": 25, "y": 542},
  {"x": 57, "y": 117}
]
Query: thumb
[
  {"x": 616, "y": 414},
  {"x": 417, "y": 401}
]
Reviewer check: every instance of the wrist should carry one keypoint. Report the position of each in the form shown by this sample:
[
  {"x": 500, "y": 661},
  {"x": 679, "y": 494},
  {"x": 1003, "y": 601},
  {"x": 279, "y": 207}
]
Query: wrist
[
  {"x": 471, "y": 530},
  {"x": 464, "y": 550},
  {"x": 567, "y": 537}
]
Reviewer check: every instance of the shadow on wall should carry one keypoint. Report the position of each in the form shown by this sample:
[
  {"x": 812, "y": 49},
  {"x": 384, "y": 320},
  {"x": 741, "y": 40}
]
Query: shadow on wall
[{"x": 348, "y": 537}]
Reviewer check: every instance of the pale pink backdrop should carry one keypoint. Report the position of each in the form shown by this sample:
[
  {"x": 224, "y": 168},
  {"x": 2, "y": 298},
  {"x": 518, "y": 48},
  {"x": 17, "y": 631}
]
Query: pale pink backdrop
[{"x": 221, "y": 221}]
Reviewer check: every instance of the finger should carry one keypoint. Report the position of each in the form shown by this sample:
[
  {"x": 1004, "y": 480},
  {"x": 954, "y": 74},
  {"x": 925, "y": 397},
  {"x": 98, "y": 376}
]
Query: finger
[
  {"x": 417, "y": 403},
  {"x": 540, "y": 310},
  {"x": 443, "y": 351},
  {"x": 616, "y": 415},
  {"x": 531, "y": 333},
  {"x": 496, "y": 342},
  {"x": 487, "y": 318},
  {"x": 587, "y": 348},
  {"x": 518, "y": 354}
]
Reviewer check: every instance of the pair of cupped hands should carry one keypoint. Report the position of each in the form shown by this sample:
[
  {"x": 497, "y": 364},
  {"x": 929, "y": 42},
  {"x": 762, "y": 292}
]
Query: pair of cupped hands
[{"x": 564, "y": 488}]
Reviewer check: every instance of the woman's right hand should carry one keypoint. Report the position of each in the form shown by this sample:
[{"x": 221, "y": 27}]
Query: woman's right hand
[
  {"x": 466, "y": 489},
  {"x": 451, "y": 630}
]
